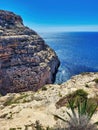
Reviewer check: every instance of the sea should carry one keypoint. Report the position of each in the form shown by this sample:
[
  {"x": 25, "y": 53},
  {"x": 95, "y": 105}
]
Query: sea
[{"x": 77, "y": 52}]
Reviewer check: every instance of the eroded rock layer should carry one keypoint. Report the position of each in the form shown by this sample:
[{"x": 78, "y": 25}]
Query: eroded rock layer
[{"x": 26, "y": 62}]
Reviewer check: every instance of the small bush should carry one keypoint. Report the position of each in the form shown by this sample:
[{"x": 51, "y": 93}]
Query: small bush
[
  {"x": 96, "y": 80},
  {"x": 8, "y": 101},
  {"x": 12, "y": 100},
  {"x": 19, "y": 128},
  {"x": 44, "y": 88},
  {"x": 79, "y": 94},
  {"x": 12, "y": 129},
  {"x": 80, "y": 118}
]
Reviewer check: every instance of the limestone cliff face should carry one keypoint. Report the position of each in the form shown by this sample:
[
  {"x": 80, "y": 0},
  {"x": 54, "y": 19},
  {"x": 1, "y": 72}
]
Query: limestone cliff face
[{"x": 26, "y": 62}]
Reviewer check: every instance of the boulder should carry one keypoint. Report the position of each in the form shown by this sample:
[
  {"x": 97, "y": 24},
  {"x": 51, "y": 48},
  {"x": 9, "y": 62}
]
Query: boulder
[{"x": 26, "y": 61}]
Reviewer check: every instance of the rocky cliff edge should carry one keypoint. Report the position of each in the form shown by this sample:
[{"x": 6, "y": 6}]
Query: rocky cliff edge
[
  {"x": 19, "y": 110},
  {"x": 26, "y": 62}
]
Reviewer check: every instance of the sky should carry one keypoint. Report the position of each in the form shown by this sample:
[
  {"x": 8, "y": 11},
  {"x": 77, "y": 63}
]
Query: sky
[{"x": 55, "y": 15}]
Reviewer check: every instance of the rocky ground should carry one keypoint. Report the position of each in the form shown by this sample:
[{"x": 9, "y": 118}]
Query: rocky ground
[{"x": 18, "y": 110}]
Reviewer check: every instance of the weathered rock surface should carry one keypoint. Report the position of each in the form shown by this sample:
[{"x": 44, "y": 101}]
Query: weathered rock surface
[
  {"x": 18, "y": 110},
  {"x": 26, "y": 62}
]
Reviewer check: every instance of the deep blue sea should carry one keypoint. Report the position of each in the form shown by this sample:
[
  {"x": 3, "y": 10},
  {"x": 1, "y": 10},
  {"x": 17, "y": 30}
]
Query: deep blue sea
[{"x": 77, "y": 51}]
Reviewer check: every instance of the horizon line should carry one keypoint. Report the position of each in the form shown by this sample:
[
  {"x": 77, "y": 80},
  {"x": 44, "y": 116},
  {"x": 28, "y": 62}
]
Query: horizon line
[{"x": 81, "y": 28}]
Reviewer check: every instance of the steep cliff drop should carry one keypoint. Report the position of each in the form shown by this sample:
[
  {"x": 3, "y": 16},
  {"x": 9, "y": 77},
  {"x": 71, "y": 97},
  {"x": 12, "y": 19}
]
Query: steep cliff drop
[{"x": 26, "y": 62}]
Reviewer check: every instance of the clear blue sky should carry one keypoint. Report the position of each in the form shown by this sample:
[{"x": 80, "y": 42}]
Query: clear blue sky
[{"x": 45, "y": 15}]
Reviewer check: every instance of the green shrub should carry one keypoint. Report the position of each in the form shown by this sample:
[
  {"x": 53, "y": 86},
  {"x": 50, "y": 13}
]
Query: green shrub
[
  {"x": 79, "y": 94},
  {"x": 12, "y": 129},
  {"x": 80, "y": 118},
  {"x": 44, "y": 88},
  {"x": 96, "y": 80},
  {"x": 12, "y": 100},
  {"x": 8, "y": 101},
  {"x": 19, "y": 128}
]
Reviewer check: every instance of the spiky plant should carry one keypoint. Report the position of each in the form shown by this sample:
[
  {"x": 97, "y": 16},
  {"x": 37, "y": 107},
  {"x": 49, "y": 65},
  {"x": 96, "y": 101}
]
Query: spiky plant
[{"x": 80, "y": 117}]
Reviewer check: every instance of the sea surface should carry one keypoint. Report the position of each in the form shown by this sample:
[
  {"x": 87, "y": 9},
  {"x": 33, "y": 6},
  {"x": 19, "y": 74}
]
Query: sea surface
[{"x": 77, "y": 51}]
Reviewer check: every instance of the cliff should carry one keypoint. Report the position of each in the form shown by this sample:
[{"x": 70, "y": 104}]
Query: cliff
[{"x": 26, "y": 62}]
